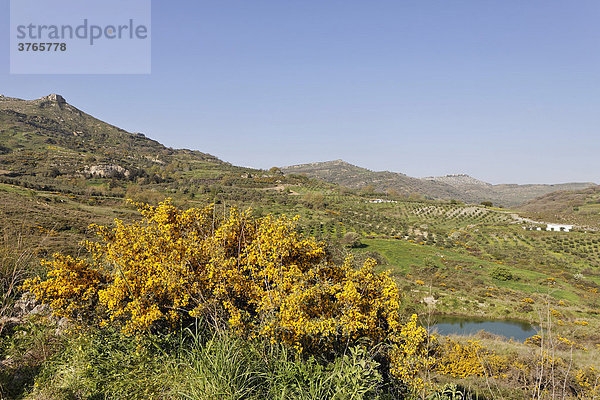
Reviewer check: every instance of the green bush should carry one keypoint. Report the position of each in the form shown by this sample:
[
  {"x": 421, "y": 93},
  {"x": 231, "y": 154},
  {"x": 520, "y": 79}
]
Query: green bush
[
  {"x": 351, "y": 240},
  {"x": 502, "y": 274}
]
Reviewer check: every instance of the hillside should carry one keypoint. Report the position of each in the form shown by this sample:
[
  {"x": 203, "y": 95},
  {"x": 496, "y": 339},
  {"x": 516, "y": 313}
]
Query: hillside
[
  {"x": 342, "y": 173},
  {"x": 579, "y": 206},
  {"x": 457, "y": 180},
  {"x": 459, "y": 187},
  {"x": 49, "y": 137}
]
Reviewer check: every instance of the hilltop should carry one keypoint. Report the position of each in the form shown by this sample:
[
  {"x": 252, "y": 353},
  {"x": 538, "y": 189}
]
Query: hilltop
[
  {"x": 342, "y": 173},
  {"x": 457, "y": 180},
  {"x": 458, "y": 187}
]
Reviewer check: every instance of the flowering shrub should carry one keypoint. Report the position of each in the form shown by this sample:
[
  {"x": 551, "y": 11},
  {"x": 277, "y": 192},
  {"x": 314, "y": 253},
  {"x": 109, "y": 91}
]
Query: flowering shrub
[
  {"x": 413, "y": 354},
  {"x": 472, "y": 359},
  {"x": 71, "y": 288},
  {"x": 255, "y": 274},
  {"x": 588, "y": 380},
  {"x": 535, "y": 340}
]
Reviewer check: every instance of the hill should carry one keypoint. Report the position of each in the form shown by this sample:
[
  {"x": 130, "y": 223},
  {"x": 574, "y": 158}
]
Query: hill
[
  {"x": 579, "y": 206},
  {"x": 342, "y": 173},
  {"x": 459, "y": 187},
  {"x": 457, "y": 180},
  {"x": 49, "y": 137}
]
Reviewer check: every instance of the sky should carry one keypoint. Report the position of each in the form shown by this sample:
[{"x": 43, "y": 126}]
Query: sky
[{"x": 506, "y": 91}]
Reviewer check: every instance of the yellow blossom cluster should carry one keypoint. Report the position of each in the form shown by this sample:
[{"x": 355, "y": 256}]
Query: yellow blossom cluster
[
  {"x": 71, "y": 287},
  {"x": 471, "y": 359},
  {"x": 258, "y": 275},
  {"x": 535, "y": 340},
  {"x": 413, "y": 354},
  {"x": 588, "y": 380}
]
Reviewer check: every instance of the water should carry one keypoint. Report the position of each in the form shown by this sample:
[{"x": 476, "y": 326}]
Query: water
[{"x": 465, "y": 326}]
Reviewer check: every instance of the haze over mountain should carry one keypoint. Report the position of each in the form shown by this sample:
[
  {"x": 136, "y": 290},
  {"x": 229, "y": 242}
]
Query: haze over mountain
[{"x": 459, "y": 187}]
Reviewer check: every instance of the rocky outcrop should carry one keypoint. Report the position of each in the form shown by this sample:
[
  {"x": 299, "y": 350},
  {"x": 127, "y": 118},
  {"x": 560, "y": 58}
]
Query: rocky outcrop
[
  {"x": 54, "y": 98},
  {"x": 107, "y": 171},
  {"x": 457, "y": 180}
]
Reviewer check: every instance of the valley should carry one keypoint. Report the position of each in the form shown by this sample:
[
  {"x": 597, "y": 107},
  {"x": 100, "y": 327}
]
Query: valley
[{"x": 62, "y": 170}]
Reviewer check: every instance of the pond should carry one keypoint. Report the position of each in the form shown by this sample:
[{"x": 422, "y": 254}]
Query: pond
[{"x": 465, "y": 326}]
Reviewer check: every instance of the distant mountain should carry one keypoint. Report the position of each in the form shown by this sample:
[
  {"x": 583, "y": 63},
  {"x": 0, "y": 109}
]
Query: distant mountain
[
  {"x": 459, "y": 187},
  {"x": 346, "y": 174}
]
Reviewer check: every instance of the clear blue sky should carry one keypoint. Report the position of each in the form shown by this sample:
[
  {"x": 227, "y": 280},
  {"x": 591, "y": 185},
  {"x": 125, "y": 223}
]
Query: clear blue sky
[{"x": 507, "y": 91}]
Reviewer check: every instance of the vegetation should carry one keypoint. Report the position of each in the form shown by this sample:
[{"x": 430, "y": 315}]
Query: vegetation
[
  {"x": 461, "y": 187},
  {"x": 184, "y": 300},
  {"x": 577, "y": 206}
]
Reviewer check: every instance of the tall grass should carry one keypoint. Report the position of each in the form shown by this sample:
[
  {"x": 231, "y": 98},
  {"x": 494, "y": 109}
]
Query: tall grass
[
  {"x": 227, "y": 367},
  {"x": 13, "y": 260},
  {"x": 202, "y": 365},
  {"x": 18, "y": 261}
]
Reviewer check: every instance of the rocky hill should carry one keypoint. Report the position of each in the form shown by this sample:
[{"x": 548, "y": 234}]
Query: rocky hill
[
  {"x": 348, "y": 175},
  {"x": 457, "y": 180},
  {"x": 49, "y": 138}
]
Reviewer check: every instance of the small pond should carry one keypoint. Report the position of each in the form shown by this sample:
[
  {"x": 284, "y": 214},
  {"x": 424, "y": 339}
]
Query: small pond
[{"x": 465, "y": 326}]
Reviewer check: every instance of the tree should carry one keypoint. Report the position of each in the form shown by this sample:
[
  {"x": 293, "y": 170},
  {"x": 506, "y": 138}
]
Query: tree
[{"x": 275, "y": 171}]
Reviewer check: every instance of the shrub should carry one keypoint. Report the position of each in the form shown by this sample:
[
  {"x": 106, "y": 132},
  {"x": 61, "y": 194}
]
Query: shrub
[
  {"x": 351, "y": 240},
  {"x": 412, "y": 354},
  {"x": 71, "y": 288},
  {"x": 255, "y": 275},
  {"x": 502, "y": 274},
  {"x": 471, "y": 359}
]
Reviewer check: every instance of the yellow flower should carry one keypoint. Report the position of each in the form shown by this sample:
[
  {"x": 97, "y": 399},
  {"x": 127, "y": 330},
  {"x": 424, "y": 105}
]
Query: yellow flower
[{"x": 258, "y": 275}]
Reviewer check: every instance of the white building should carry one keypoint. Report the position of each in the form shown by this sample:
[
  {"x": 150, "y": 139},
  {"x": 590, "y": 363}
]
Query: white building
[
  {"x": 382, "y": 201},
  {"x": 559, "y": 228}
]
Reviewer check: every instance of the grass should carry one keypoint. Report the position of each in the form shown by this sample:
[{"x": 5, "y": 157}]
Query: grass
[
  {"x": 460, "y": 273},
  {"x": 199, "y": 365},
  {"x": 402, "y": 254},
  {"x": 457, "y": 264},
  {"x": 15, "y": 189}
]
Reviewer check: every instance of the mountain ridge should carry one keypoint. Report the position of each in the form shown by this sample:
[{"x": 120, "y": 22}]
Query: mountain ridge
[{"x": 450, "y": 187}]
